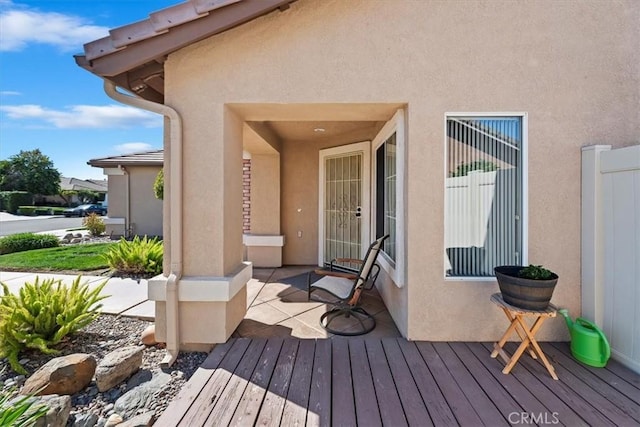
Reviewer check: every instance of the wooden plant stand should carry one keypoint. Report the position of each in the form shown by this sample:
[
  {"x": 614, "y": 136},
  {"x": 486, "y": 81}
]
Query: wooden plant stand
[{"x": 527, "y": 334}]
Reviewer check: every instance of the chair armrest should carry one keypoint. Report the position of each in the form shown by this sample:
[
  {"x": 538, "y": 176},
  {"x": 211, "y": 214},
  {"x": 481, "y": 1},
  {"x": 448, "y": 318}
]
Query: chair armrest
[{"x": 335, "y": 274}]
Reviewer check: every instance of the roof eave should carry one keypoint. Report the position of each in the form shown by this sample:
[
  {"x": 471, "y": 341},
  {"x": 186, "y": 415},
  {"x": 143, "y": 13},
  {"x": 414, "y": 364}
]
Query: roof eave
[
  {"x": 124, "y": 163},
  {"x": 139, "y": 66}
]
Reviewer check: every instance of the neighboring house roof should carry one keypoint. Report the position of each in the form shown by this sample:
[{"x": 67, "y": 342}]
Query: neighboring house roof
[
  {"x": 75, "y": 184},
  {"x": 133, "y": 56},
  {"x": 146, "y": 158}
]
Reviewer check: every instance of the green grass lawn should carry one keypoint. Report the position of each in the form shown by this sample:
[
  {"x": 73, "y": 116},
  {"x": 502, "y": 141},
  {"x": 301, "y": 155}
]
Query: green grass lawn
[{"x": 65, "y": 258}]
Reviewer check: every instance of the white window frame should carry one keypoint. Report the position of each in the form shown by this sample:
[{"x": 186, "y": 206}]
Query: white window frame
[
  {"x": 396, "y": 270},
  {"x": 525, "y": 185}
]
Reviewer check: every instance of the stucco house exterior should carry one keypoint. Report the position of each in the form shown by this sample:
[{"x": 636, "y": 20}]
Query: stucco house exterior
[
  {"x": 133, "y": 207},
  {"x": 456, "y": 127}
]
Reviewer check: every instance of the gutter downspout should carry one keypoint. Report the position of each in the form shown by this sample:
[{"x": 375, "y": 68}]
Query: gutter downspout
[
  {"x": 127, "y": 201},
  {"x": 175, "y": 209}
]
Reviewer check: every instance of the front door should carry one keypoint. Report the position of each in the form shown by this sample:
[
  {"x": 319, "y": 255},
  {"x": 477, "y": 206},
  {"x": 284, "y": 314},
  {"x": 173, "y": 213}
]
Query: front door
[{"x": 344, "y": 210}]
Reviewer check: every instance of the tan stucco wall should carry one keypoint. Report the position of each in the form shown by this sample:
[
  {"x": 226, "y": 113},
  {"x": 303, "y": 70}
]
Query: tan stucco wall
[
  {"x": 117, "y": 185},
  {"x": 573, "y": 67},
  {"x": 146, "y": 210}
]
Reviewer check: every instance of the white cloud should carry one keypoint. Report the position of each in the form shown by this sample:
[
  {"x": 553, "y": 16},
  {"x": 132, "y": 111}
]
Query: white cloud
[
  {"x": 21, "y": 26},
  {"x": 133, "y": 147},
  {"x": 85, "y": 116},
  {"x": 9, "y": 92}
]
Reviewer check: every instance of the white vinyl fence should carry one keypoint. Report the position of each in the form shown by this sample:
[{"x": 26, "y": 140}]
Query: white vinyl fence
[
  {"x": 480, "y": 226},
  {"x": 611, "y": 247}
]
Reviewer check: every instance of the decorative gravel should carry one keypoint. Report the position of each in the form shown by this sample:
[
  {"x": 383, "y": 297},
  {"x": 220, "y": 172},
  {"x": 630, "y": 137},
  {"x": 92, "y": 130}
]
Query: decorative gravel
[{"x": 106, "y": 334}]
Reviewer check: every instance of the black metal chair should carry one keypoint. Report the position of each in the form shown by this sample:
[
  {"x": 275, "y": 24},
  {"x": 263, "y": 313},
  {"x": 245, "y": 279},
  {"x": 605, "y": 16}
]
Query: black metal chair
[{"x": 347, "y": 317}]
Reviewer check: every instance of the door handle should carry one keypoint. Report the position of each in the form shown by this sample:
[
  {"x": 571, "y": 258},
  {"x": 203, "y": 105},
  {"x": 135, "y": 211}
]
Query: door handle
[{"x": 358, "y": 212}]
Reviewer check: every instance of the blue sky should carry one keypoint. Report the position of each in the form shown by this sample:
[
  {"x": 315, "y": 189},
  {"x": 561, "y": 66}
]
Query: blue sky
[{"x": 50, "y": 103}]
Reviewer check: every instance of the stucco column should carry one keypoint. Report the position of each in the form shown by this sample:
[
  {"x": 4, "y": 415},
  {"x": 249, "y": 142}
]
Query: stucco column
[
  {"x": 212, "y": 290},
  {"x": 212, "y": 237}
]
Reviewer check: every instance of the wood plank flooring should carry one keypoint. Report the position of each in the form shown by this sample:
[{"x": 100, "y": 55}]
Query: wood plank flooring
[{"x": 394, "y": 382}]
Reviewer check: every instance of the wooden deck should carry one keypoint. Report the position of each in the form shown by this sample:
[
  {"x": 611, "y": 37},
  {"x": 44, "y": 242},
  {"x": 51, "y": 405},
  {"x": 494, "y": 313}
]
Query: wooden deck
[{"x": 394, "y": 382}]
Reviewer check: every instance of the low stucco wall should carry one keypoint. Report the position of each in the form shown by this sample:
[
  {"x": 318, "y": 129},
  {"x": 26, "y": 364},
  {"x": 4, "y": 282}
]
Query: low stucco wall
[{"x": 572, "y": 67}]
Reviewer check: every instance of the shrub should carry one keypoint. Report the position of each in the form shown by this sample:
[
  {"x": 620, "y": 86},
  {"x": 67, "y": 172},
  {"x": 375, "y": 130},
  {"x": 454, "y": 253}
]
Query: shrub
[
  {"x": 158, "y": 185},
  {"x": 11, "y": 200},
  {"x": 26, "y": 242},
  {"x": 26, "y": 210},
  {"x": 136, "y": 257},
  {"x": 42, "y": 314},
  {"x": 94, "y": 224},
  {"x": 40, "y": 210}
]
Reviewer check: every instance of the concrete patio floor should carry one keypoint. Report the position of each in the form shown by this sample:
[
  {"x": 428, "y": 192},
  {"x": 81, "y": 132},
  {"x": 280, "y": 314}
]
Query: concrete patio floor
[{"x": 278, "y": 307}]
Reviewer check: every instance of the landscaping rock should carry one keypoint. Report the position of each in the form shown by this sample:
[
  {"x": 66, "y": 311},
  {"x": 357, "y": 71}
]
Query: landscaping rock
[
  {"x": 113, "y": 420},
  {"x": 140, "y": 377},
  {"x": 76, "y": 240},
  {"x": 58, "y": 413},
  {"x": 142, "y": 420},
  {"x": 85, "y": 420},
  {"x": 141, "y": 396},
  {"x": 149, "y": 335},
  {"x": 118, "y": 366},
  {"x": 62, "y": 375}
]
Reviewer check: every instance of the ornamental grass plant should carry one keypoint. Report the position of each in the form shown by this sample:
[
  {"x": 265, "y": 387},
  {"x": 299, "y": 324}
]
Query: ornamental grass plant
[
  {"x": 138, "y": 257},
  {"x": 42, "y": 314},
  {"x": 19, "y": 412}
]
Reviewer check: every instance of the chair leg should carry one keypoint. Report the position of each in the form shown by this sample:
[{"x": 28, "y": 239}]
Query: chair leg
[{"x": 361, "y": 321}]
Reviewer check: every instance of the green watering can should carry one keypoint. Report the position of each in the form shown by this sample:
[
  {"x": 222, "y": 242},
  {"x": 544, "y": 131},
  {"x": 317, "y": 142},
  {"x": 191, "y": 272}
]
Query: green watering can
[{"x": 588, "y": 343}]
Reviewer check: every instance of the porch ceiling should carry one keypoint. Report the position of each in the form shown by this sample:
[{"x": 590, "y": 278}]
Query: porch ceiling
[
  {"x": 348, "y": 122},
  {"x": 315, "y": 130}
]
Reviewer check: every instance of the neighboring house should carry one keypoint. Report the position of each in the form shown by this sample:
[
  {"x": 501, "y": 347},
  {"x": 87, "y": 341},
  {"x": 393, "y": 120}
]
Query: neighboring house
[
  {"x": 133, "y": 207},
  {"x": 456, "y": 127},
  {"x": 256, "y": 251},
  {"x": 98, "y": 186}
]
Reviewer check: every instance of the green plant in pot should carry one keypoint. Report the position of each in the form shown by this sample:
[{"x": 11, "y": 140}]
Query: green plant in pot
[{"x": 529, "y": 287}]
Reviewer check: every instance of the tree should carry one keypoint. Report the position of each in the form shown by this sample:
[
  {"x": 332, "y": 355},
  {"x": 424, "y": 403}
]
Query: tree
[
  {"x": 158, "y": 185},
  {"x": 67, "y": 196},
  {"x": 30, "y": 171},
  {"x": 84, "y": 196},
  {"x": 87, "y": 196}
]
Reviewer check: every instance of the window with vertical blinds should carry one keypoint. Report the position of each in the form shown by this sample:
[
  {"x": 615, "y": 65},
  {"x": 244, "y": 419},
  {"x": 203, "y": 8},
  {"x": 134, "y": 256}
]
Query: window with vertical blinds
[
  {"x": 483, "y": 194},
  {"x": 386, "y": 195}
]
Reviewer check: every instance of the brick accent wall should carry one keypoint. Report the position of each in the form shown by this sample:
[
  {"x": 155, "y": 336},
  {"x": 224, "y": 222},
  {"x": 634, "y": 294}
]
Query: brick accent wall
[{"x": 246, "y": 195}]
